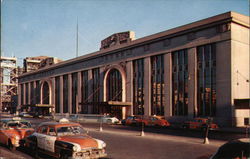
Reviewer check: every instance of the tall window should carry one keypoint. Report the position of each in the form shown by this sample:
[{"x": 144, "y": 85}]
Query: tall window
[
  {"x": 138, "y": 81},
  {"x": 32, "y": 93},
  {"x": 157, "y": 85},
  {"x": 114, "y": 85},
  {"x": 45, "y": 93},
  {"x": 84, "y": 92},
  {"x": 65, "y": 94},
  {"x": 206, "y": 62},
  {"x": 180, "y": 83},
  {"x": 57, "y": 95},
  {"x": 27, "y": 93},
  {"x": 96, "y": 90},
  {"x": 38, "y": 95},
  {"x": 22, "y": 94},
  {"x": 74, "y": 92}
]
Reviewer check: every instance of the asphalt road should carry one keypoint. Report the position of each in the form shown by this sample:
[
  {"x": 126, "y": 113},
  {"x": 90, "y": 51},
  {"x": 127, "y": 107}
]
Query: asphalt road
[{"x": 125, "y": 142}]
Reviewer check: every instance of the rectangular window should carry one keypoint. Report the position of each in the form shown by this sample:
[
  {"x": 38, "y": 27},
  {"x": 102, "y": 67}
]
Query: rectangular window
[
  {"x": 206, "y": 77},
  {"x": 38, "y": 95},
  {"x": 27, "y": 93},
  {"x": 157, "y": 85},
  {"x": 138, "y": 81},
  {"x": 22, "y": 94},
  {"x": 65, "y": 94},
  {"x": 74, "y": 91},
  {"x": 180, "y": 83},
  {"x": 57, "y": 95},
  {"x": 84, "y": 88},
  {"x": 96, "y": 90},
  {"x": 32, "y": 93}
]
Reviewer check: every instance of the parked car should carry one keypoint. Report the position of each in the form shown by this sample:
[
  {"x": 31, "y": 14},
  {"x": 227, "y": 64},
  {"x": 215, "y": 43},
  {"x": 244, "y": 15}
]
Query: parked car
[
  {"x": 130, "y": 120},
  {"x": 110, "y": 119},
  {"x": 235, "y": 149},
  {"x": 157, "y": 121},
  {"x": 13, "y": 130},
  {"x": 76, "y": 118},
  {"x": 25, "y": 114},
  {"x": 64, "y": 139},
  {"x": 199, "y": 123}
]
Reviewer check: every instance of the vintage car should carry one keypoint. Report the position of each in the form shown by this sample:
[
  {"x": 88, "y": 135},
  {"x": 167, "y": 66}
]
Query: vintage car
[
  {"x": 200, "y": 123},
  {"x": 235, "y": 149},
  {"x": 130, "y": 120},
  {"x": 12, "y": 130},
  {"x": 64, "y": 139},
  {"x": 157, "y": 121},
  {"x": 110, "y": 119}
]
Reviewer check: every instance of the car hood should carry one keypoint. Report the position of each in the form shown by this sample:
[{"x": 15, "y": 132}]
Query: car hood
[{"x": 83, "y": 140}]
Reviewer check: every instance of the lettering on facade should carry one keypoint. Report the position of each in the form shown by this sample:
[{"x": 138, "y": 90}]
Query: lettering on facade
[{"x": 117, "y": 39}]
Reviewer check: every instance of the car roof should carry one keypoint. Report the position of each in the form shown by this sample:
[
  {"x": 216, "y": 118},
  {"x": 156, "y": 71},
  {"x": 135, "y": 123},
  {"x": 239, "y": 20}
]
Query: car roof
[{"x": 11, "y": 119}]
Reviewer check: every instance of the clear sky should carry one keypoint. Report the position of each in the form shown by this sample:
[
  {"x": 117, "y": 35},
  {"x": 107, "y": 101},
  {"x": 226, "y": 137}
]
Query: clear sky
[{"x": 48, "y": 27}]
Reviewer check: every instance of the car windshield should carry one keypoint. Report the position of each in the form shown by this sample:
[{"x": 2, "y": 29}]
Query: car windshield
[
  {"x": 70, "y": 130},
  {"x": 18, "y": 124}
]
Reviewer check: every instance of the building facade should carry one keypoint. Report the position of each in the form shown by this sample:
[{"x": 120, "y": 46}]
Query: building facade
[{"x": 196, "y": 70}]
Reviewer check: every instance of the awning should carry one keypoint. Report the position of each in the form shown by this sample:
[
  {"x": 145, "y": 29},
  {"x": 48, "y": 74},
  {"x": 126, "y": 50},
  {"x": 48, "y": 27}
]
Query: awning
[
  {"x": 44, "y": 105},
  {"x": 118, "y": 103}
]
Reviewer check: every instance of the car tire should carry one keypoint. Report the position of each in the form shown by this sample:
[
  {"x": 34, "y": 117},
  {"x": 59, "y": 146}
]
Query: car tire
[
  {"x": 11, "y": 146},
  {"x": 64, "y": 155},
  {"x": 109, "y": 121}
]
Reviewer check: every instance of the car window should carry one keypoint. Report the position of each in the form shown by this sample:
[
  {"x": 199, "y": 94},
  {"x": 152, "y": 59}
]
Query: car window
[
  {"x": 70, "y": 130},
  {"x": 52, "y": 132},
  {"x": 43, "y": 130}
]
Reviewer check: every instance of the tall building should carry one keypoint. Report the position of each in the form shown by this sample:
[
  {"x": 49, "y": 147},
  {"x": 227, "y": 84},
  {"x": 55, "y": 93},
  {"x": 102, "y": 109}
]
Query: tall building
[{"x": 197, "y": 70}]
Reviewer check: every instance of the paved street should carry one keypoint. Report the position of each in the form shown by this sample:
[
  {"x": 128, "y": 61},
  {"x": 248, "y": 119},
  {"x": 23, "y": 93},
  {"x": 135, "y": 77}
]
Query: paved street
[{"x": 125, "y": 142}]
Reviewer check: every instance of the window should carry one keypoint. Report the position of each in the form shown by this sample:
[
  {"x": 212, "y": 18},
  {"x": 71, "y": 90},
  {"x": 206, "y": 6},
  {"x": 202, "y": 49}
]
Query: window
[
  {"x": 43, "y": 130},
  {"x": 57, "y": 95},
  {"x": 96, "y": 90},
  {"x": 180, "y": 83},
  {"x": 52, "y": 132},
  {"x": 84, "y": 92},
  {"x": 206, "y": 80},
  {"x": 114, "y": 85},
  {"x": 65, "y": 94},
  {"x": 74, "y": 91},
  {"x": 138, "y": 82},
  {"x": 157, "y": 85}
]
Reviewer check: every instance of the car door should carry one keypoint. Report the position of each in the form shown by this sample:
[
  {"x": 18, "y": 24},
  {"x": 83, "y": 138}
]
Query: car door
[
  {"x": 41, "y": 137},
  {"x": 50, "y": 139}
]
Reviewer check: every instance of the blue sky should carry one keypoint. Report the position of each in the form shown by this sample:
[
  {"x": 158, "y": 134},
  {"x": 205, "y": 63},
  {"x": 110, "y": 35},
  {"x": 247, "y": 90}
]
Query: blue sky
[{"x": 48, "y": 27}]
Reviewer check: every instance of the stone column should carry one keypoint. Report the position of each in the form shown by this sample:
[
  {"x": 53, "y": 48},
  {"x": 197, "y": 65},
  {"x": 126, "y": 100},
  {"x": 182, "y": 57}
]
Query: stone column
[
  {"x": 19, "y": 91},
  {"x": 101, "y": 99},
  {"x": 61, "y": 94},
  {"x": 129, "y": 87},
  {"x": 168, "y": 85},
  {"x": 192, "y": 83},
  {"x": 29, "y": 94},
  {"x": 147, "y": 86},
  {"x": 70, "y": 93},
  {"x": 53, "y": 90}
]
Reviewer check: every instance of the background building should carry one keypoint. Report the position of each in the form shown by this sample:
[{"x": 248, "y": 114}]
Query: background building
[
  {"x": 8, "y": 84},
  {"x": 199, "y": 69}
]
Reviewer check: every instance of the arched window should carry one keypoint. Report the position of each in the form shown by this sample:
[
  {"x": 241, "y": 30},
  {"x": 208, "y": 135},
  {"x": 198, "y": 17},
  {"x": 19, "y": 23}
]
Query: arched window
[{"x": 114, "y": 85}]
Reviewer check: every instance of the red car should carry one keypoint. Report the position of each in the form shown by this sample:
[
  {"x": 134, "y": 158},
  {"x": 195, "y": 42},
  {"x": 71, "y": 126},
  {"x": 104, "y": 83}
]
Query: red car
[
  {"x": 158, "y": 121},
  {"x": 199, "y": 123}
]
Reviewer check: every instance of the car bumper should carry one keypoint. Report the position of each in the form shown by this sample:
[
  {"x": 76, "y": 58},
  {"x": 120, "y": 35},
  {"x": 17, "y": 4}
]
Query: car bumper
[{"x": 90, "y": 154}]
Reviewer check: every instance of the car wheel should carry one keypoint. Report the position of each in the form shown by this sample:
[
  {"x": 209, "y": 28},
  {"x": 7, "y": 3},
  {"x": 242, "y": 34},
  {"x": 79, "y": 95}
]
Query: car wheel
[
  {"x": 64, "y": 155},
  {"x": 109, "y": 121},
  {"x": 11, "y": 146}
]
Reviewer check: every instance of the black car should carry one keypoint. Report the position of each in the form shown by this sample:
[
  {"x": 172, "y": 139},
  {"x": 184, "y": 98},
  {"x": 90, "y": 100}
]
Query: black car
[{"x": 235, "y": 149}]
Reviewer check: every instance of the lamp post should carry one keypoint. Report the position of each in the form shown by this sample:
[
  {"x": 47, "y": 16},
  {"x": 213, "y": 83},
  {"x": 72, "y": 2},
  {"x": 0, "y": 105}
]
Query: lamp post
[
  {"x": 142, "y": 127},
  {"x": 100, "y": 124}
]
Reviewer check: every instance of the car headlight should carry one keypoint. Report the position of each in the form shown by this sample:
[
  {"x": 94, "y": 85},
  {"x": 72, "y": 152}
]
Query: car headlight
[
  {"x": 17, "y": 137},
  {"x": 76, "y": 148},
  {"x": 104, "y": 145}
]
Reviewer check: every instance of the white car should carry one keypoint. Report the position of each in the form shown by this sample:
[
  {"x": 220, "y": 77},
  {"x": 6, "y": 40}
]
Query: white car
[{"x": 110, "y": 119}]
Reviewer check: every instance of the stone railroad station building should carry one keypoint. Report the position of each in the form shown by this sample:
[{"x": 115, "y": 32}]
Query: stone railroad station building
[{"x": 196, "y": 70}]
